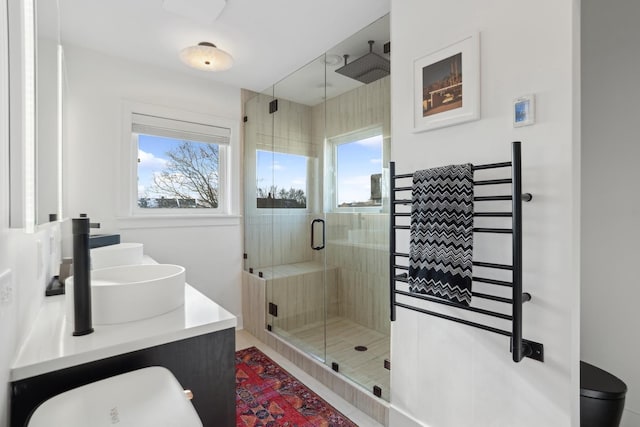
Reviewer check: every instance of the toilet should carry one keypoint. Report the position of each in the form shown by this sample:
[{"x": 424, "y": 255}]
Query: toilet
[
  {"x": 601, "y": 397},
  {"x": 149, "y": 397}
]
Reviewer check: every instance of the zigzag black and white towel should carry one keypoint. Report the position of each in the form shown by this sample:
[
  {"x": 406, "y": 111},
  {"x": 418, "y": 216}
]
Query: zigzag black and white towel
[{"x": 440, "y": 254}]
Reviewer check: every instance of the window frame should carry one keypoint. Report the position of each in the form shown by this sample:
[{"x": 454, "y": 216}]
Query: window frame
[
  {"x": 331, "y": 166},
  {"x": 228, "y": 173},
  {"x": 222, "y": 187}
]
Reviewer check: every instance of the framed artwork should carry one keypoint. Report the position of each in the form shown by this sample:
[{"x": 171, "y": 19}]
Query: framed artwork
[{"x": 447, "y": 85}]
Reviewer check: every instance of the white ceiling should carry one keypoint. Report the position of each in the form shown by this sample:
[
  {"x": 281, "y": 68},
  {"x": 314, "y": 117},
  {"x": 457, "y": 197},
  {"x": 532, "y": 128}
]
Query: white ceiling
[
  {"x": 268, "y": 39},
  {"x": 318, "y": 80}
]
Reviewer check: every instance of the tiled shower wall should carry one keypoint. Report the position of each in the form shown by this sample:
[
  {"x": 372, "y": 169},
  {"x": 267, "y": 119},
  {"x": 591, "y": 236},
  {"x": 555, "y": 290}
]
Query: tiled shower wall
[
  {"x": 277, "y": 236},
  {"x": 281, "y": 237},
  {"x": 273, "y": 240},
  {"x": 300, "y": 294},
  {"x": 362, "y": 262},
  {"x": 362, "y": 256}
]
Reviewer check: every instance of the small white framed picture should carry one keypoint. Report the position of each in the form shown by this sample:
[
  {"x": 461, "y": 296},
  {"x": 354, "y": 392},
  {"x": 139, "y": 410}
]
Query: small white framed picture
[{"x": 524, "y": 111}]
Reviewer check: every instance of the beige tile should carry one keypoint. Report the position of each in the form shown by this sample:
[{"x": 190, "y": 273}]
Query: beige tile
[
  {"x": 362, "y": 420},
  {"x": 342, "y": 335}
]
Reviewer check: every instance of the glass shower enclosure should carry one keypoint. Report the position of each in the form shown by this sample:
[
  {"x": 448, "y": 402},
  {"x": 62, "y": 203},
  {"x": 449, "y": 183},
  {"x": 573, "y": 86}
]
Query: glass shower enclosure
[{"x": 316, "y": 206}]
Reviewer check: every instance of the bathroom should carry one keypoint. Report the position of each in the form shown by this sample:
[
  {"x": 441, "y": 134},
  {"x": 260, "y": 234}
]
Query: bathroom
[{"x": 442, "y": 374}]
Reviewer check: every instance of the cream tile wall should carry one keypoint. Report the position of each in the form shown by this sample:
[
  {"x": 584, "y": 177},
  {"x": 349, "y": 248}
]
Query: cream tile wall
[
  {"x": 363, "y": 262},
  {"x": 358, "y": 278},
  {"x": 300, "y": 296},
  {"x": 278, "y": 236},
  {"x": 363, "y": 268},
  {"x": 277, "y": 239}
]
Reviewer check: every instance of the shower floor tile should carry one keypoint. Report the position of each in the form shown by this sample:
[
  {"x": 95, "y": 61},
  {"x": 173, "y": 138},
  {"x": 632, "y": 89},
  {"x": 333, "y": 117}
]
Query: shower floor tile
[{"x": 342, "y": 336}]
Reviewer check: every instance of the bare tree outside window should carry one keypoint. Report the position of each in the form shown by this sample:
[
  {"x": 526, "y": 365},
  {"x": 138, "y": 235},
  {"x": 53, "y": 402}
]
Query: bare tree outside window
[
  {"x": 273, "y": 197},
  {"x": 281, "y": 180},
  {"x": 185, "y": 175}
]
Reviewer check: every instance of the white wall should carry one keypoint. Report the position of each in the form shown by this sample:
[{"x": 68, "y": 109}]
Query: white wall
[
  {"x": 450, "y": 375},
  {"x": 26, "y": 257},
  {"x": 610, "y": 206},
  {"x": 97, "y": 86}
]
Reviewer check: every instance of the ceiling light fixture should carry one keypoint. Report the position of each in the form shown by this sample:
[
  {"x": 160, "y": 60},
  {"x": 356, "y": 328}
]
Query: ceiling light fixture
[
  {"x": 332, "y": 60},
  {"x": 207, "y": 57}
]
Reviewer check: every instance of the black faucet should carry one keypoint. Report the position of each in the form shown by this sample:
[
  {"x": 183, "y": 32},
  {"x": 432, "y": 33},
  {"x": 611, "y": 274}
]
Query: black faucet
[{"x": 82, "y": 275}]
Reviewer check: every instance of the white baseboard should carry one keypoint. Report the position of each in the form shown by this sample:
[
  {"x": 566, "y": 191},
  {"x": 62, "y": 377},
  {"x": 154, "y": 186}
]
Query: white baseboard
[
  {"x": 399, "y": 418},
  {"x": 630, "y": 419}
]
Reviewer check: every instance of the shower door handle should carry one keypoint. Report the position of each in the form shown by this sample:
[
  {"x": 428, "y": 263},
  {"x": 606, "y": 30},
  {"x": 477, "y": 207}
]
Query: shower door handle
[{"x": 313, "y": 223}]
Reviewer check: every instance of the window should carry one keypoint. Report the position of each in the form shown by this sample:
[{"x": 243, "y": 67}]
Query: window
[
  {"x": 356, "y": 177},
  {"x": 281, "y": 180},
  {"x": 181, "y": 165},
  {"x": 175, "y": 173}
]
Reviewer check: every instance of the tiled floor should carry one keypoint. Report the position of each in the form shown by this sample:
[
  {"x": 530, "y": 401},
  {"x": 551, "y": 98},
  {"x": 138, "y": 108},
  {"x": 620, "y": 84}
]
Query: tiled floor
[
  {"x": 245, "y": 339},
  {"x": 342, "y": 336}
]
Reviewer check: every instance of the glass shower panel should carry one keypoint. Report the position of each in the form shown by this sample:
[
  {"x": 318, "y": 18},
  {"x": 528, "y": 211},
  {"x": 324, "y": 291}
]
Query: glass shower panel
[
  {"x": 356, "y": 206},
  {"x": 317, "y": 208},
  {"x": 258, "y": 131},
  {"x": 258, "y": 220},
  {"x": 296, "y": 286}
]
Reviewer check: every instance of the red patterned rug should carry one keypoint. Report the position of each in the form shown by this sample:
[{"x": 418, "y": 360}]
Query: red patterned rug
[{"x": 268, "y": 396}]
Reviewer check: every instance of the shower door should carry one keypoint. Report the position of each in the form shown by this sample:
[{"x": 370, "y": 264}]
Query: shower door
[
  {"x": 316, "y": 214},
  {"x": 299, "y": 288},
  {"x": 356, "y": 205},
  {"x": 283, "y": 171}
]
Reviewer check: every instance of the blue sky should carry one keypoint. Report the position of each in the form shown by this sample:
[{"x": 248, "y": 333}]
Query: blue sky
[
  {"x": 357, "y": 161},
  {"x": 283, "y": 170},
  {"x": 152, "y": 154}
]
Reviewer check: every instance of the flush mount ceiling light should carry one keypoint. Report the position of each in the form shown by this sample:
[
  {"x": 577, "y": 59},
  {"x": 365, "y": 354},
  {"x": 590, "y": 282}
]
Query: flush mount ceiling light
[
  {"x": 332, "y": 59},
  {"x": 207, "y": 57}
]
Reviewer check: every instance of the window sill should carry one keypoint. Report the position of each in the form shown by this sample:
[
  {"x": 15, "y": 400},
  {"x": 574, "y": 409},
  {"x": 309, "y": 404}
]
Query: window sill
[{"x": 175, "y": 221}]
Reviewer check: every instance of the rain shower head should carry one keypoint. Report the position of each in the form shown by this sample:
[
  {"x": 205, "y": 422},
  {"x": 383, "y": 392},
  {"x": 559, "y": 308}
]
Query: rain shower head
[{"x": 366, "y": 69}]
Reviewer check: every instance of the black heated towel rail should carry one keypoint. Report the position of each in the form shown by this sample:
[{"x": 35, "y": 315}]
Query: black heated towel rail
[{"x": 519, "y": 346}]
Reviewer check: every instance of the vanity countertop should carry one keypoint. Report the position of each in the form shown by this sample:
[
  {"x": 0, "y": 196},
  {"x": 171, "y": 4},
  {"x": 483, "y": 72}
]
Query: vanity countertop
[{"x": 50, "y": 345}]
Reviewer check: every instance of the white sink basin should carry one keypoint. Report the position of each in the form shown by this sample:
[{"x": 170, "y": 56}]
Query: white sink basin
[
  {"x": 114, "y": 255},
  {"x": 132, "y": 292}
]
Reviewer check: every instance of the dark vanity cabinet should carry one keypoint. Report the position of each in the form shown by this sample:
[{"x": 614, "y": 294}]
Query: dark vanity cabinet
[{"x": 204, "y": 364}]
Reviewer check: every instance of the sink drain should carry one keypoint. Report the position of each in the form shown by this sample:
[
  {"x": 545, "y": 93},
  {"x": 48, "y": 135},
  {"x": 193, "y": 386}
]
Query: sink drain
[{"x": 360, "y": 348}]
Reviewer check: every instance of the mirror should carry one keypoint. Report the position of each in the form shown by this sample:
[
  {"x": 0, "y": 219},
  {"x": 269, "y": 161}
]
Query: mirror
[
  {"x": 48, "y": 111},
  {"x": 35, "y": 151}
]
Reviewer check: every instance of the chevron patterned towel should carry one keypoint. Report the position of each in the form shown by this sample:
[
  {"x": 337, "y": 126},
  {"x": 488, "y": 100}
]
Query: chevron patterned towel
[{"x": 440, "y": 254}]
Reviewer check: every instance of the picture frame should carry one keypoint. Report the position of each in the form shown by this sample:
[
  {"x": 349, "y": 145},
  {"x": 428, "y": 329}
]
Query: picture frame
[
  {"x": 524, "y": 111},
  {"x": 447, "y": 85}
]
